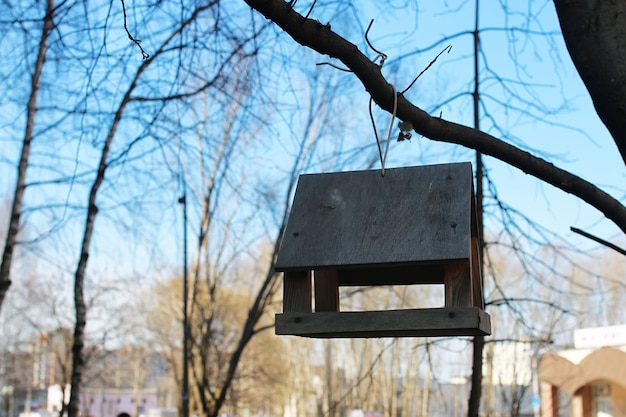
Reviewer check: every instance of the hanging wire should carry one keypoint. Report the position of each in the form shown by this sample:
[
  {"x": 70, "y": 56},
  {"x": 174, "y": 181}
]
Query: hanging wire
[
  {"x": 383, "y": 57},
  {"x": 383, "y": 156},
  {"x": 380, "y": 55}
]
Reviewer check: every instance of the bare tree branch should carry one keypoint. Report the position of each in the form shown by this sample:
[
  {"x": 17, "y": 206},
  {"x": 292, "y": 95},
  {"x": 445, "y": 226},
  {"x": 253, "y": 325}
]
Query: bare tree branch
[
  {"x": 595, "y": 37},
  {"x": 321, "y": 38}
]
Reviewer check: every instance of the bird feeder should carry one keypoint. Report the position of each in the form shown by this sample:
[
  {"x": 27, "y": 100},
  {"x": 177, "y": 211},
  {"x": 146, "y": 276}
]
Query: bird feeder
[{"x": 412, "y": 226}]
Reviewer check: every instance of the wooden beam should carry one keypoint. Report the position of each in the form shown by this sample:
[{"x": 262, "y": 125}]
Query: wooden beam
[
  {"x": 458, "y": 285},
  {"x": 476, "y": 278},
  {"x": 361, "y": 219},
  {"x": 459, "y": 321},
  {"x": 326, "y": 290},
  {"x": 297, "y": 293}
]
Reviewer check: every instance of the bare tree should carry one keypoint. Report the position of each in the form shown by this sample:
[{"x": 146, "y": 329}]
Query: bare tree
[
  {"x": 20, "y": 186},
  {"x": 212, "y": 390},
  {"x": 132, "y": 94}
]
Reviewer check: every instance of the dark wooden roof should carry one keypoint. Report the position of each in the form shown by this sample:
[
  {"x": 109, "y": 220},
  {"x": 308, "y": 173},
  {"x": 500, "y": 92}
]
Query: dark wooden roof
[{"x": 360, "y": 218}]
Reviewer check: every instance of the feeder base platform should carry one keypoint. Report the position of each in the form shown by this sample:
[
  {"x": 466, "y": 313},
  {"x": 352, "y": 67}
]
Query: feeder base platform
[{"x": 426, "y": 322}]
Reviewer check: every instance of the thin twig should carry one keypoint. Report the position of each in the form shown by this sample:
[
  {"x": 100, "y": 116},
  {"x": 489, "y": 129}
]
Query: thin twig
[
  {"x": 597, "y": 239},
  {"x": 447, "y": 48},
  {"x": 137, "y": 42},
  {"x": 334, "y": 66}
]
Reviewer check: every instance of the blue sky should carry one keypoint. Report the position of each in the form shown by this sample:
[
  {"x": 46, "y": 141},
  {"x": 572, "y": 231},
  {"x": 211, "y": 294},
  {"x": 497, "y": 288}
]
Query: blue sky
[
  {"x": 555, "y": 115},
  {"x": 552, "y": 114}
]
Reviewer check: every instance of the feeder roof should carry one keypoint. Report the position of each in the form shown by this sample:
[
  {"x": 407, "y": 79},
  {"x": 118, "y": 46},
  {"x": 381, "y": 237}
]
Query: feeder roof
[{"x": 411, "y": 215}]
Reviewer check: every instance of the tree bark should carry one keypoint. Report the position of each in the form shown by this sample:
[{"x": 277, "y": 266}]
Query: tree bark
[
  {"x": 473, "y": 404},
  {"x": 595, "y": 36},
  {"x": 321, "y": 38},
  {"x": 478, "y": 342},
  {"x": 20, "y": 186}
]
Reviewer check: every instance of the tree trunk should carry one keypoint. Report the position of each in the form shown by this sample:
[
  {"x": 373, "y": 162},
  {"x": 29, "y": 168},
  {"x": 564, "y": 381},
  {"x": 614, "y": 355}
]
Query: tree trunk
[
  {"x": 478, "y": 343},
  {"x": 78, "y": 360},
  {"x": 18, "y": 196},
  {"x": 473, "y": 406},
  {"x": 329, "y": 388},
  {"x": 595, "y": 36},
  {"x": 79, "y": 277}
]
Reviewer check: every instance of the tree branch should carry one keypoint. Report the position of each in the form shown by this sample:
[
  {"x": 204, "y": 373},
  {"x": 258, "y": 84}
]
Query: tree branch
[
  {"x": 595, "y": 36},
  {"x": 321, "y": 38}
]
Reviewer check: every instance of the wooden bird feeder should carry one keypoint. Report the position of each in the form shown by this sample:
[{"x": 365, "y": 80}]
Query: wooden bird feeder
[{"x": 411, "y": 226}]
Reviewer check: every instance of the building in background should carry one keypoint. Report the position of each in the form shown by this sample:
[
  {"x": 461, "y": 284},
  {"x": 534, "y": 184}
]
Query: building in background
[
  {"x": 592, "y": 375},
  {"x": 107, "y": 402},
  {"x": 130, "y": 379},
  {"x": 22, "y": 383}
]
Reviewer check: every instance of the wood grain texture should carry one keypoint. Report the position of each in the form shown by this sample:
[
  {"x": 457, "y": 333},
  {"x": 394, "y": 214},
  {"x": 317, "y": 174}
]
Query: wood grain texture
[
  {"x": 458, "y": 285},
  {"x": 476, "y": 260},
  {"x": 458, "y": 321},
  {"x": 326, "y": 290},
  {"x": 360, "y": 218},
  {"x": 477, "y": 280},
  {"x": 297, "y": 292}
]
